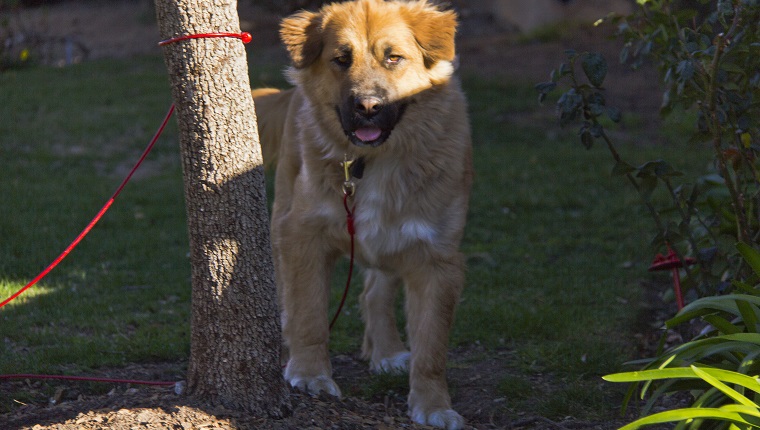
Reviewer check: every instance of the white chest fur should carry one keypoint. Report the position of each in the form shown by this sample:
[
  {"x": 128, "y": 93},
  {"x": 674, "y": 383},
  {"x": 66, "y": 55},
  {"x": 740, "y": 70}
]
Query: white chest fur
[{"x": 387, "y": 220}]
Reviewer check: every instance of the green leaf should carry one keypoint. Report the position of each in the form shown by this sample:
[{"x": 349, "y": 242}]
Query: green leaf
[
  {"x": 733, "y": 68},
  {"x": 745, "y": 411},
  {"x": 710, "y": 377},
  {"x": 569, "y": 105},
  {"x": 648, "y": 185},
  {"x": 546, "y": 87},
  {"x": 624, "y": 53},
  {"x": 726, "y": 376},
  {"x": 711, "y": 304},
  {"x": 745, "y": 287},
  {"x": 563, "y": 70},
  {"x": 595, "y": 68},
  {"x": 749, "y": 315},
  {"x": 614, "y": 114},
  {"x": 725, "y": 351},
  {"x": 685, "y": 70},
  {"x": 659, "y": 168},
  {"x": 622, "y": 168},
  {"x": 587, "y": 139},
  {"x": 687, "y": 414},
  {"x": 722, "y": 324},
  {"x": 749, "y": 362},
  {"x": 751, "y": 256}
]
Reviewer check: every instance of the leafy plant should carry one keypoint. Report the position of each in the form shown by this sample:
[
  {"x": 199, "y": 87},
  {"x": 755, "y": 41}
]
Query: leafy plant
[
  {"x": 718, "y": 368},
  {"x": 710, "y": 64},
  {"x": 585, "y": 103},
  {"x": 711, "y": 67},
  {"x": 743, "y": 413}
]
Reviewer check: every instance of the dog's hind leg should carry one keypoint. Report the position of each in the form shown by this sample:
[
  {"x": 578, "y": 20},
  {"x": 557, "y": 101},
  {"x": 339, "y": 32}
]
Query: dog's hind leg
[
  {"x": 382, "y": 343},
  {"x": 433, "y": 290}
]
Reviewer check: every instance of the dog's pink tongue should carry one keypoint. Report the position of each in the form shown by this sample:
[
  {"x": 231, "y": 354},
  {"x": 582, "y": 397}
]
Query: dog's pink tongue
[{"x": 368, "y": 134}]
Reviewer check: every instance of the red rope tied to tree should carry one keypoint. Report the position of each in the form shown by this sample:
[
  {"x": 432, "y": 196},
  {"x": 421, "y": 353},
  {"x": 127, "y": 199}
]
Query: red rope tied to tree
[{"x": 244, "y": 37}]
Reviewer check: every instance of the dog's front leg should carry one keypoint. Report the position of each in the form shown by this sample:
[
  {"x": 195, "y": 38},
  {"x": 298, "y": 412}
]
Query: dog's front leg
[
  {"x": 382, "y": 344},
  {"x": 432, "y": 294},
  {"x": 305, "y": 270}
]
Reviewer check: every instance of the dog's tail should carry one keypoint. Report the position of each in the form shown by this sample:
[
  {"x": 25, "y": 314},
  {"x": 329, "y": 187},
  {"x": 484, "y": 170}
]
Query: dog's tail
[{"x": 271, "y": 105}]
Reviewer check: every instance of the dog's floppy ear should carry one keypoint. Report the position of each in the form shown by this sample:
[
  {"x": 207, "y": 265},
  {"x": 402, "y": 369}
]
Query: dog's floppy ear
[
  {"x": 434, "y": 31},
  {"x": 302, "y": 37}
]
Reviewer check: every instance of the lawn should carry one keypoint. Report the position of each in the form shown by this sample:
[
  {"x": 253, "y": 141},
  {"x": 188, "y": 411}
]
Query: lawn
[{"x": 557, "y": 248}]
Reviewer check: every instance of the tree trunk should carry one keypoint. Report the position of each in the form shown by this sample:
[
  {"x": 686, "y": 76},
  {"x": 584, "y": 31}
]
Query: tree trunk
[{"x": 235, "y": 341}]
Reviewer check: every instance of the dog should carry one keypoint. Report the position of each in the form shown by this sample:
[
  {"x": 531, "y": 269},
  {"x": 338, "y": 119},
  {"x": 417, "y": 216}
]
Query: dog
[{"x": 374, "y": 87}]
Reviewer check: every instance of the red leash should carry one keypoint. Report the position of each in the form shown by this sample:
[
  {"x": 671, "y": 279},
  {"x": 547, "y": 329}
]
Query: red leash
[
  {"x": 245, "y": 37},
  {"x": 86, "y": 379},
  {"x": 349, "y": 187},
  {"x": 66, "y": 252},
  {"x": 98, "y": 216},
  {"x": 351, "y": 233}
]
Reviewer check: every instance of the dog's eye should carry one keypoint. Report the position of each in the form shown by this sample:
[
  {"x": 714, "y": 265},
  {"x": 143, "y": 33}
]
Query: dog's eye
[
  {"x": 392, "y": 59},
  {"x": 343, "y": 61}
]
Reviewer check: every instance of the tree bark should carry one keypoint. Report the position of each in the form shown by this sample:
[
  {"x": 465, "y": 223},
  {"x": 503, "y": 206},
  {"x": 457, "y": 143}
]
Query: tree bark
[{"x": 235, "y": 341}]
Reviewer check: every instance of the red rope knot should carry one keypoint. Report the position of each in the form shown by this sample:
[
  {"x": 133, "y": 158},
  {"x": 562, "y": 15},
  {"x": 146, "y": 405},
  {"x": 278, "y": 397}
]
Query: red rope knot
[
  {"x": 673, "y": 263},
  {"x": 669, "y": 261},
  {"x": 245, "y": 37}
]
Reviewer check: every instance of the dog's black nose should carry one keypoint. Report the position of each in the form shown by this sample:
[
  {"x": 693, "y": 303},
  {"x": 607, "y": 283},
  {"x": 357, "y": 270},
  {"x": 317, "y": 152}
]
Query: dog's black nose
[{"x": 367, "y": 106}]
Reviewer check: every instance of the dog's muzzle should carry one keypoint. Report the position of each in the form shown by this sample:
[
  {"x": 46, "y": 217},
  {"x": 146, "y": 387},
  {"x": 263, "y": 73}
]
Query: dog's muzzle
[{"x": 369, "y": 120}]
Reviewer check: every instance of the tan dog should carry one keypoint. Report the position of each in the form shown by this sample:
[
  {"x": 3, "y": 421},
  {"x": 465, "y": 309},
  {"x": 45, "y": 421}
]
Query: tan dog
[{"x": 373, "y": 83}]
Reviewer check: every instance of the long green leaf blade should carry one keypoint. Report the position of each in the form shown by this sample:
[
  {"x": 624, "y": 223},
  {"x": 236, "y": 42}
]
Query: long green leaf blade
[
  {"x": 709, "y": 376},
  {"x": 684, "y": 372},
  {"x": 751, "y": 256},
  {"x": 749, "y": 314},
  {"x": 723, "y": 325},
  {"x": 687, "y": 414},
  {"x": 712, "y": 304}
]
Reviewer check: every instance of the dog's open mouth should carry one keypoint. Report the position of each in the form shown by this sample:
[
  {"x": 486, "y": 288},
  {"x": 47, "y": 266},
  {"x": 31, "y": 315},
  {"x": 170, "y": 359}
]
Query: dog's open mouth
[
  {"x": 369, "y": 128},
  {"x": 369, "y": 136}
]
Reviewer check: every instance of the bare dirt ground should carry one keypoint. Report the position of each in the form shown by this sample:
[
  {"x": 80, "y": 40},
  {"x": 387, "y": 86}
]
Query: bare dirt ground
[
  {"x": 473, "y": 376},
  {"x": 124, "y": 29}
]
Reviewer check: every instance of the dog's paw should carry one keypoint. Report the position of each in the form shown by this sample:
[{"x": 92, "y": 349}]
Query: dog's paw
[
  {"x": 447, "y": 419},
  {"x": 394, "y": 365},
  {"x": 316, "y": 384}
]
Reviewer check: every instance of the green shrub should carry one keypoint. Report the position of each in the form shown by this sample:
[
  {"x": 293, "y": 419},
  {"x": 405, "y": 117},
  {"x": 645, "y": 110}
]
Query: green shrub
[
  {"x": 710, "y": 66},
  {"x": 719, "y": 368}
]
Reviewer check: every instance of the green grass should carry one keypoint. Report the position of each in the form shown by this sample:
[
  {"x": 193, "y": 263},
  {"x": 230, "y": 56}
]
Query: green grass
[
  {"x": 556, "y": 248},
  {"x": 69, "y": 136}
]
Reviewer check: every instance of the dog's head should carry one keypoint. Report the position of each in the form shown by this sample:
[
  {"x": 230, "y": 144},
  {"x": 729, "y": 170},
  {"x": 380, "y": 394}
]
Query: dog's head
[{"x": 365, "y": 60}]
